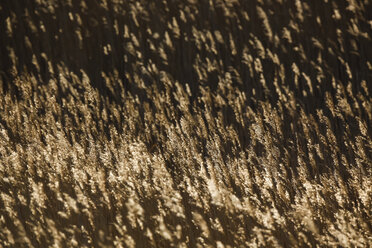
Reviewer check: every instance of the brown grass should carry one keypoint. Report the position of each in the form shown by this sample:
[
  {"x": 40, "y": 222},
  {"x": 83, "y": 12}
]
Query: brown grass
[{"x": 185, "y": 123}]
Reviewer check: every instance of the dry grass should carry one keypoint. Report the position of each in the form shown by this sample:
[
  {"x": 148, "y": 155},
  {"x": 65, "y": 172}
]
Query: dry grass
[{"x": 214, "y": 123}]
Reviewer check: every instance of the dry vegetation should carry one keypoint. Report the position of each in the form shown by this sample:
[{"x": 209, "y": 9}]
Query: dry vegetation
[{"x": 210, "y": 123}]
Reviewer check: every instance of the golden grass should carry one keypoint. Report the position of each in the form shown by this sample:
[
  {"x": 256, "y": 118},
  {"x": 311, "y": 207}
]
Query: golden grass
[{"x": 185, "y": 123}]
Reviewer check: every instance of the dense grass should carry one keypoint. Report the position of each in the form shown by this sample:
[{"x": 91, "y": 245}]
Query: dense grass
[{"x": 210, "y": 123}]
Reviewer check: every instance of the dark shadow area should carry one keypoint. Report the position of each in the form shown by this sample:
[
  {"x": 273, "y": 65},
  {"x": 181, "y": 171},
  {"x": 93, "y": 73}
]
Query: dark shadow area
[{"x": 128, "y": 39}]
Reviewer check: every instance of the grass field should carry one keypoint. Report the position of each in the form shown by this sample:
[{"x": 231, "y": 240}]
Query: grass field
[{"x": 174, "y": 123}]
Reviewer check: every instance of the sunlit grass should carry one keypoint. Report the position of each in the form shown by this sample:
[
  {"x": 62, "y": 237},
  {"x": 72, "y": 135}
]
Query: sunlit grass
[{"x": 185, "y": 124}]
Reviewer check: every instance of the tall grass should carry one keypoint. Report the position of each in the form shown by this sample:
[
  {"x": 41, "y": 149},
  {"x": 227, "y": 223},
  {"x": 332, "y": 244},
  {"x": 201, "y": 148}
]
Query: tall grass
[{"x": 185, "y": 123}]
